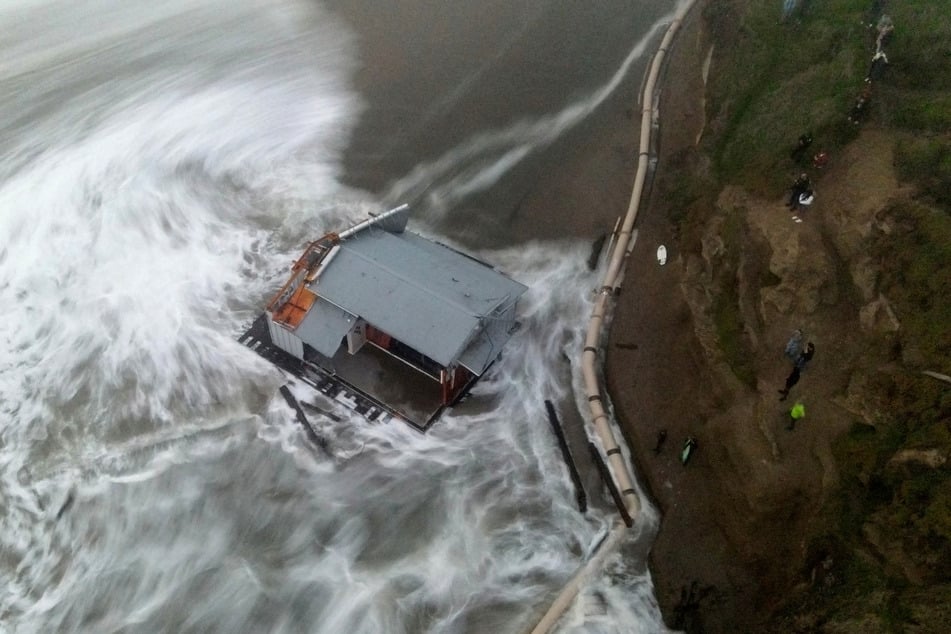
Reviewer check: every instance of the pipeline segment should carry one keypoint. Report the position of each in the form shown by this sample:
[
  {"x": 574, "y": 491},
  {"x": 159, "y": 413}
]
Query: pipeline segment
[
  {"x": 611, "y": 282},
  {"x": 609, "y": 287}
]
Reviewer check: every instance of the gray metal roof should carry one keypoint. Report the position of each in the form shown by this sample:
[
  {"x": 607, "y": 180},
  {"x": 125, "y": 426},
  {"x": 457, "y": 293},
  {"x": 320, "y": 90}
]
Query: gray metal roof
[
  {"x": 424, "y": 294},
  {"x": 324, "y": 327},
  {"x": 484, "y": 348}
]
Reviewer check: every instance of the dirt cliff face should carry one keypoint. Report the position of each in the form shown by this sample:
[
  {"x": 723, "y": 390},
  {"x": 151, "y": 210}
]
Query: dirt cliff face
[{"x": 696, "y": 350}]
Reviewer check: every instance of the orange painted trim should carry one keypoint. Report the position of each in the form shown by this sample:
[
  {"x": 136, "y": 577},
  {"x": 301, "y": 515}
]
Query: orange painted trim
[
  {"x": 301, "y": 264},
  {"x": 292, "y": 313}
]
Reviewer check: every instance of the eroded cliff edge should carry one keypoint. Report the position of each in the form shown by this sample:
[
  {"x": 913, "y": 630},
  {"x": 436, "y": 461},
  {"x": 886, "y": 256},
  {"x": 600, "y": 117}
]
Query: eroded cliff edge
[{"x": 841, "y": 524}]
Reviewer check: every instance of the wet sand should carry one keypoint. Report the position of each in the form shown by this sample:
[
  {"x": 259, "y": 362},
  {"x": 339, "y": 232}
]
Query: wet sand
[
  {"x": 656, "y": 373},
  {"x": 659, "y": 380}
]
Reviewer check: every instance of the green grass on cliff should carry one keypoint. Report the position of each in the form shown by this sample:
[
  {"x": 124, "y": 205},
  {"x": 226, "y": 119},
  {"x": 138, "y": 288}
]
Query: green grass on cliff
[
  {"x": 781, "y": 79},
  {"x": 787, "y": 78},
  {"x": 727, "y": 316},
  {"x": 926, "y": 162},
  {"x": 915, "y": 252},
  {"x": 881, "y": 554}
]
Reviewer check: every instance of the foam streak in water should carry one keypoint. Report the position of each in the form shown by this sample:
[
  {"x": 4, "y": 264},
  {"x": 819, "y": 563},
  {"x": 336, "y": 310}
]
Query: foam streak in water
[{"x": 480, "y": 162}]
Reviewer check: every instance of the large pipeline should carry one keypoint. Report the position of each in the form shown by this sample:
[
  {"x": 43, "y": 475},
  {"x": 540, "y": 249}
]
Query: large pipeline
[
  {"x": 611, "y": 282},
  {"x": 609, "y": 287}
]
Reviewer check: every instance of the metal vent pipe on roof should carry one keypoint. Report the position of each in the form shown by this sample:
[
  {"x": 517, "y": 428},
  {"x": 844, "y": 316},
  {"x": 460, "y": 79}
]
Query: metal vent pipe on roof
[{"x": 372, "y": 221}]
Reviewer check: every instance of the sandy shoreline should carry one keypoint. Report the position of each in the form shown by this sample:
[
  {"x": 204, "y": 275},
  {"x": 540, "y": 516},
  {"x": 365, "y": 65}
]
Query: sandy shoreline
[{"x": 655, "y": 368}]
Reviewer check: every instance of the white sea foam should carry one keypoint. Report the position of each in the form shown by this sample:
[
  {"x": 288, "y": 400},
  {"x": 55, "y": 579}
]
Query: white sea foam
[
  {"x": 163, "y": 162},
  {"x": 143, "y": 215}
]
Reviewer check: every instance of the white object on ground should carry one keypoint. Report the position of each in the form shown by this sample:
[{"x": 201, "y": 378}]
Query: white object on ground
[{"x": 662, "y": 255}]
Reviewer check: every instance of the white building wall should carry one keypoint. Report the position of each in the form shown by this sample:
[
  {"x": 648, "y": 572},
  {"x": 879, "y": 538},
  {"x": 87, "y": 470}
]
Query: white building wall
[
  {"x": 357, "y": 337},
  {"x": 285, "y": 339}
]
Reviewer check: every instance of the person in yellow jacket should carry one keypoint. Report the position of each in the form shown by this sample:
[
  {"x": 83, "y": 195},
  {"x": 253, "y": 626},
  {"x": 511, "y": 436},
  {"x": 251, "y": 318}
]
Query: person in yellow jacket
[{"x": 797, "y": 412}]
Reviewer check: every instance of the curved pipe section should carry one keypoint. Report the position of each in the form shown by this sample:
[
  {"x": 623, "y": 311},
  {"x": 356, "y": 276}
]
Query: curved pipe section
[{"x": 611, "y": 283}]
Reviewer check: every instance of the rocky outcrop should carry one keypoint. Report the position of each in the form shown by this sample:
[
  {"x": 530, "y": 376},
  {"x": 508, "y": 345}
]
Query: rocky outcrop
[{"x": 878, "y": 316}]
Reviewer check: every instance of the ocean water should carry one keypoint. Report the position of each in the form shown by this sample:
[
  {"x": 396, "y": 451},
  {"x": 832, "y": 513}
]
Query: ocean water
[{"x": 162, "y": 164}]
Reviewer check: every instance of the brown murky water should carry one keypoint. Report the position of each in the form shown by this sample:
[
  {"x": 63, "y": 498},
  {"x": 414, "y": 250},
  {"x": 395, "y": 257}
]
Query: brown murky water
[
  {"x": 161, "y": 165},
  {"x": 454, "y": 90}
]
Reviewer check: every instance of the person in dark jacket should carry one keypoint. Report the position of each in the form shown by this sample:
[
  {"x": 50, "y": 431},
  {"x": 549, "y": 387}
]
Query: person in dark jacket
[
  {"x": 804, "y": 358},
  {"x": 804, "y": 142}
]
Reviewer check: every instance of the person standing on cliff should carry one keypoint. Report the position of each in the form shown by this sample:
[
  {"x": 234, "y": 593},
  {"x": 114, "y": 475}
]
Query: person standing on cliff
[
  {"x": 802, "y": 144},
  {"x": 800, "y": 186},
  {"x": 797, "y": 412},
  {"x": 858, "y": 111},
  {"x": 805, "y": 199},
  {"x": 794, "y": 346},
  {"x": 804, "y": 358}
]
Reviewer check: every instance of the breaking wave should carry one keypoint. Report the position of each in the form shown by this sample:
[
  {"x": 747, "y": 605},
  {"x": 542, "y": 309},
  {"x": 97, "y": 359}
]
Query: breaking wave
[{"x": 161, "y": 162}]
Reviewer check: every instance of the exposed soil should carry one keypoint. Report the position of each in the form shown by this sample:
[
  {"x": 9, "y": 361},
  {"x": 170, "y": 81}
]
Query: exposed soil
[{"x": 731, "y": 542}]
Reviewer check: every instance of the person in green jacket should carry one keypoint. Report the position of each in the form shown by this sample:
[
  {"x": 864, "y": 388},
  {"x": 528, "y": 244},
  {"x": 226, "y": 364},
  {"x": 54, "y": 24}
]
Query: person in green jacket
[{"x": 798, "y": 411}]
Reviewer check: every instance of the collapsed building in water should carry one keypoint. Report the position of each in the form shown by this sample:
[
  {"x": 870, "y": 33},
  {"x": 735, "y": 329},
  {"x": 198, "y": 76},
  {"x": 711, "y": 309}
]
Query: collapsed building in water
[{"x": 379, "y": 289}]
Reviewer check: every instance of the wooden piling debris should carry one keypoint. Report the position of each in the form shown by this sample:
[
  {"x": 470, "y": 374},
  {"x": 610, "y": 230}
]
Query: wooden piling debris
[
  {"x": 302, "y": 418},
  {"x": 612, "y": 487},
  {"x": 580, "y": 495}
]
